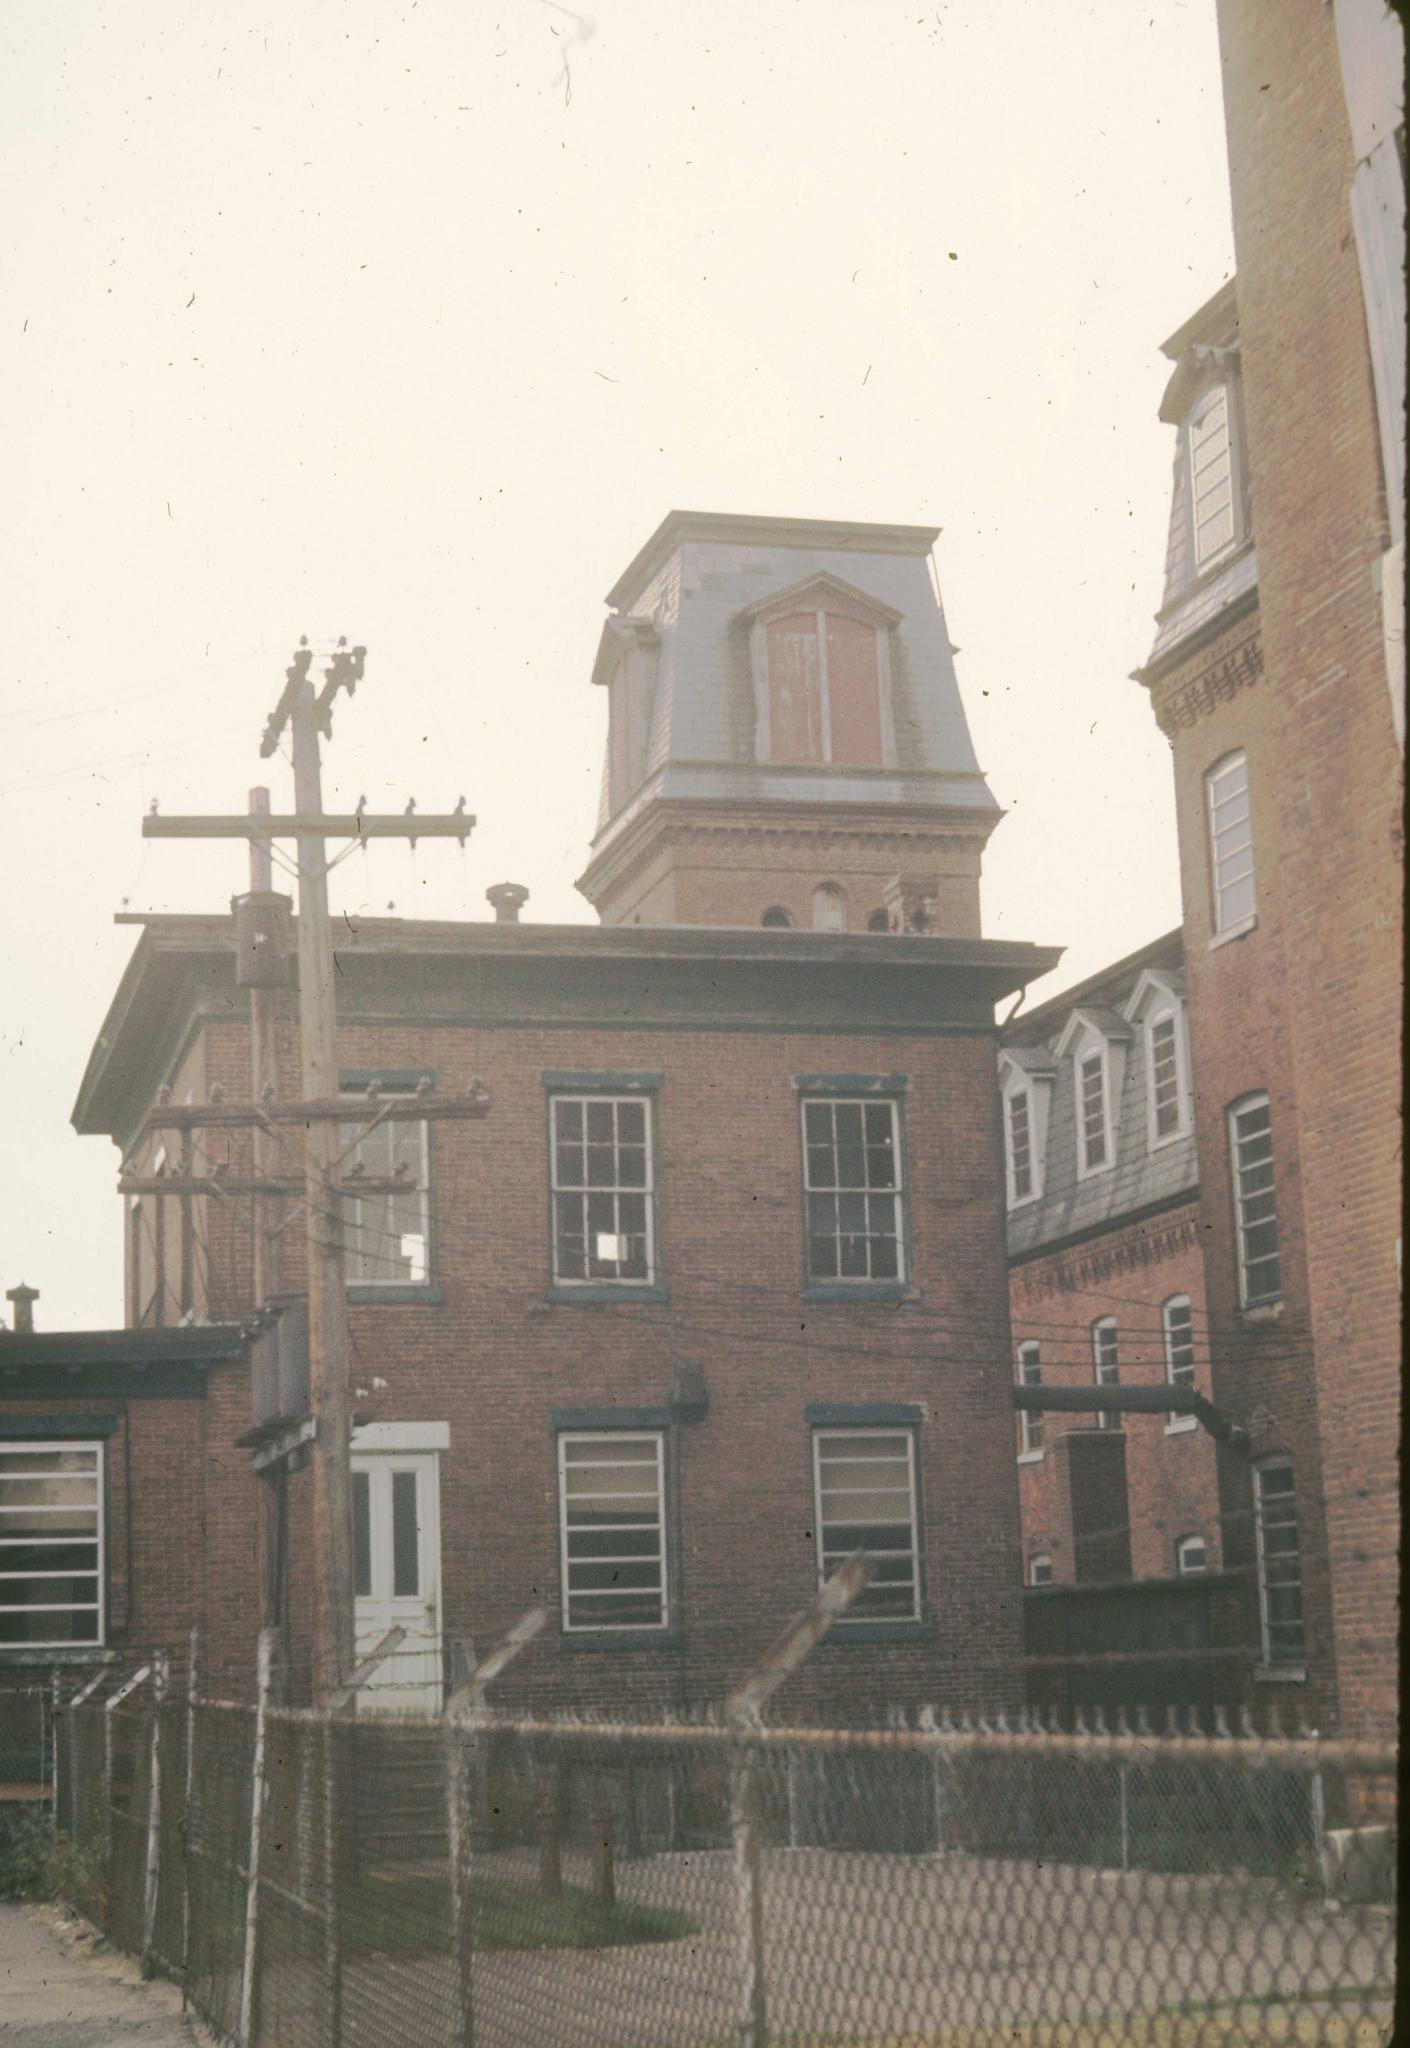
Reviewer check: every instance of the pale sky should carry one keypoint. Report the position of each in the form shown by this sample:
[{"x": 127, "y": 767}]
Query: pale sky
[{"x": 411, "y": 322}]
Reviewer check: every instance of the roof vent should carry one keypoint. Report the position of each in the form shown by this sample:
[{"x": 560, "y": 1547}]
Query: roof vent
[{"x": 508, "y": 899}]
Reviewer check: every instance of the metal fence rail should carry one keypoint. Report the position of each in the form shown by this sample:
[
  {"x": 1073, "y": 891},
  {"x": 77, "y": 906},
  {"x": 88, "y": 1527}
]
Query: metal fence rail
[{"x": 507, "y": 1883}]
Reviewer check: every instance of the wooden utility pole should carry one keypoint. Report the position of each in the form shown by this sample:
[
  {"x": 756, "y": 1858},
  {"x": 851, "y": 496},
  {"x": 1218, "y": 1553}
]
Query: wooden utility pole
[{"x": 307, "y": 712}]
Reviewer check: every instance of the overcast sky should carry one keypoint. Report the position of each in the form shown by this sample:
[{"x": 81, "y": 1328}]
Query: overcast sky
[{"x": 411, "y": 322}]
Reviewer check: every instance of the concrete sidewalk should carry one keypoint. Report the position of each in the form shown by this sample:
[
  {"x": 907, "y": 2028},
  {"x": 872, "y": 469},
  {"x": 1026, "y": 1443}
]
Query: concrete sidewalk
[{"x": 60, "y": 1987}]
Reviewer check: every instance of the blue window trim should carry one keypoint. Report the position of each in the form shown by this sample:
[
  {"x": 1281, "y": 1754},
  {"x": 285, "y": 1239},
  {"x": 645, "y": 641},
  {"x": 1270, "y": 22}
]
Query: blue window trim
[
  {"x": 863, "y": 1414},
  {"x": 424, "y": 1293},
  {"x": 603, "y": 1081},
  {"x": 851, "y": 1084},
  {"x": 885, "y": 1088},
  {"x": 603, "y": 1293},
  {"x": 589, "y": 1081},
  {"x": 18, "y": 1428},
  {"x": 907, "y": 1415},
  {"x": 662, "y": 1419}
]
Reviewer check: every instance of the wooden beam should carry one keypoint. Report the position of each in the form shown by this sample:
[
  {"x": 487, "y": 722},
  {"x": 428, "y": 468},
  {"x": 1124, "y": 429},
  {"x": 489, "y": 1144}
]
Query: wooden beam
[
  {"x": 198, "y": 1116},
  {"x": 314, "y": 824}
]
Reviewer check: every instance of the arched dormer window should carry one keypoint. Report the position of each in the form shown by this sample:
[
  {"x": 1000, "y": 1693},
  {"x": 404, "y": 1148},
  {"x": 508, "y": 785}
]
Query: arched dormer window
[
  {"x": 1209, "y": 445},
  {"x": 829, "y": 908},
  {"x": 1157, "y": 1010},
  {"x": 776, "y": 919},
  {"x": 1096, "y": 1040},
  {"x": 1026, "y": 1077},
  {"x": 820, "y": 657}
]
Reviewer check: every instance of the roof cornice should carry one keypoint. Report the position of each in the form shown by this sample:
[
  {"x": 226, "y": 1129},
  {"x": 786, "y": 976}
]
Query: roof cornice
[{"x": 861, "y": 536}]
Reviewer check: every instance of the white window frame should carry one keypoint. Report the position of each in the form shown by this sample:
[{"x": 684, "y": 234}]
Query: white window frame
[
  {"x": 828, "y": 898},
  {"x": 898, "y": 1192},
  {"x": 1177, "y": 1425},
  {"x": 1171, "y": 1015},
  {"x": 616, "y": 1097},
  {"x": 850, "y": 1434},
  {"x": 1030, "y": 1420},
  {"x": 824, "y": 601},
  {"x": 1012, "y": 1098},
  {"x": 1106, "y": 1371},
  {"x": 1273, "y": 1659},
  {"x": 1221, "y": 883},
  {"x": 1183, "y": 1547},
  {"x": 380, "y": 1136},
  {"x": 1084, "y": 1055},
  {"x": 1041, "y": 1561},
  {"x": 602, "y": 1439},
  {"x": 39, "y": 1446},
  {"x": 1237, "y": 1110},
  {"x": 1203, "y": 560}
]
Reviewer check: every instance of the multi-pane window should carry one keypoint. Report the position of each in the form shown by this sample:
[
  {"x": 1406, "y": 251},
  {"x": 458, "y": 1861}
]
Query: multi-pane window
[
  {"x": 1167, "y": 1110},
  {"x": 1212, "y": 477},
  {"x": 852, "y": 1184},
  {"x": 612, "y": 1503},
  {"x": 602, "y": 1189},
  {"x": 1030, "y": 1420},
  {"x": 1178, "y": 1329},
  {"x": 1191, "y": 1556},
  {"x": 1020, "y": 1146},
  {"x": 387, "y": 1234},
  {"x": 1040, "y": 1570},
  {"x": 1256, "y": 1216},
  {"x": 866, "y": 1500},
  {"x": 1091, "y": 1110},
  {"x": 1230, "y": 841},
  {"x": 51, "y": 1544},
  {"x": 1279, "y": 1562},
  {"x": 1106, "y": 1366}
]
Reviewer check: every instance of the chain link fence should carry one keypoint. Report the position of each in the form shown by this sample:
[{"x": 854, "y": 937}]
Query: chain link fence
[{"x": 357, "y": 1881}]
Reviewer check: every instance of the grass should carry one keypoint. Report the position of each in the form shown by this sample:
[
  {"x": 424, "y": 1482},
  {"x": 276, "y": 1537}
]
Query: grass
[{"x": 410, "y": 1915}]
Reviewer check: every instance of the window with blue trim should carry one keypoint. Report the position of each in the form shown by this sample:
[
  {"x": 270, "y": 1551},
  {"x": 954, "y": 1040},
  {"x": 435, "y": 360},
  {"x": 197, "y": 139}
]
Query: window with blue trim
[
  {"x": 852, "y": 1189},
  {"x": 602, "y": 1189},
  {"x": 865, "y": 1498},
  {"x": 51, "y": 1544},
  {"x": 387, "y": 1232},
  {"x": 612, "y": 1502}
]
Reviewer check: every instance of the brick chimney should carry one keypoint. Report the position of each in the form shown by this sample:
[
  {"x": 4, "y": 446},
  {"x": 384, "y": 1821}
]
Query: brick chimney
[{"x": 24, "y": 1299}]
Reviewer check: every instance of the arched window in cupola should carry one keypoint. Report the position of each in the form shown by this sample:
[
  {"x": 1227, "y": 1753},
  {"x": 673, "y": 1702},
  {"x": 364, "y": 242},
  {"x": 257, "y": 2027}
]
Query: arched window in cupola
[{"x": 820, "y": 655}]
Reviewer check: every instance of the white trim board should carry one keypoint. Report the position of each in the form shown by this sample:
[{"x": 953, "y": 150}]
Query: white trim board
[{"x": 402, "y": 1436}]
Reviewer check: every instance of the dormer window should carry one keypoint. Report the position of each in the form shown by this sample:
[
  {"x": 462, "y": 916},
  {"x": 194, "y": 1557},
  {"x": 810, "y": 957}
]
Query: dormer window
[
  {"x": 820, "y": 653},
  {"x": 626, "y": 666},
  {"x": 1092, "y": 1134},
  {"x": 1026, "y": 1078},
  {"x": 1157, "y": 1006}
]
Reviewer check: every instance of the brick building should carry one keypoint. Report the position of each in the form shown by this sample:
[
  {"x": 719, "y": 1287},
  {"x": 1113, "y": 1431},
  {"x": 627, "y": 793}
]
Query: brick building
[
  {"x": 1277, "y": 675},
  {"x": 715, "y": 1292}
]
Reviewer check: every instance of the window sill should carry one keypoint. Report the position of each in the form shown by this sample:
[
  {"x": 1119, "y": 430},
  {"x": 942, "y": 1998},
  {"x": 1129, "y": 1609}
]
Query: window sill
[
  {"x": 1154, "y": 1144},
  {"x": 1262, "y": 1312},
  {"x": 876, "y": 1291},
  {"x": 1030, "y": 1457},
  {"x": 1024, "y": 1201},
  {"x": 859, "y": 1635},
  {"x": 577, "y": 1642},
  {"x": 1182, "y": 1425},
  {"x": 420, "y": 1297},
  {"x": 596, "y": 1293},
  {"x": 1240, "y": 930},
  {"x": 1280, "y": 1674},
  {"x": 68, "y": 1653}
]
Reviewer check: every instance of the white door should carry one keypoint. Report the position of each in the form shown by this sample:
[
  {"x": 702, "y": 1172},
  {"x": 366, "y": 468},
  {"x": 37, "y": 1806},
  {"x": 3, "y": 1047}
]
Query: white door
[{"x": 397, "y": 1574}]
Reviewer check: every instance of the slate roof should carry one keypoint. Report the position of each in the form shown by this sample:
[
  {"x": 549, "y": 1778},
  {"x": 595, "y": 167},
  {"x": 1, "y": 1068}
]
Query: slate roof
[{"x": 1140, "y": 1179}]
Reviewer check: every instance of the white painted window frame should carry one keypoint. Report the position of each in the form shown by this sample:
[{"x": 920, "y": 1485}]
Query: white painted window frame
[
  {"x": 1177, "y": 1425},
  {"x": 1093, "y": 1047},
  {"x": 1286, "y": 1666},
  {"x": 1012, "y": 1097},
  {"x": 1173, "y": 1014},
  {"x": 98, "y": 1448},
  {"x": 1106, "y": 1418},
  {"x": 1253, "y": 1100},
  {"x": 602, "y": 1438},
  {"x": 1182, "y": 1545},
  {"x": 1041, "y": 1560},
  {"x": 843, "y": 1435},
  {"x": 1030, "y": 1421},
  {"x": 763, "y": 693},
  {"x": 1222, "y": 389},
  {"x": 1229, "y": 927}
]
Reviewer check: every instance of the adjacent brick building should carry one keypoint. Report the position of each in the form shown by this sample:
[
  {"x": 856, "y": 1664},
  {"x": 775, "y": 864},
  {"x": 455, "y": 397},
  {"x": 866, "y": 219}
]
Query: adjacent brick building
[
  {"x": 716, "y": 1290},
  {"x": 1277, "y": 674}
]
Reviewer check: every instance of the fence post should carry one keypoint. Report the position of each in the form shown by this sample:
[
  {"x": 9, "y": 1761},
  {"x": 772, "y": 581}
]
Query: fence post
[
  {"x": 192, "y": 1667},
  {"x": 604, "y": 1875},
  {"x": 248, "y": 1987},
  {"x": 744, "y": 1708},
  {"x": 1123, "y": 1793},
  {"x": 464, "y": 1709},
  {"x": 54, "y": 1747},
  {"x": 332, "y": 1931},
  {"x": 154, "y": 1816},
  {"x": 550, "y": 1849}
]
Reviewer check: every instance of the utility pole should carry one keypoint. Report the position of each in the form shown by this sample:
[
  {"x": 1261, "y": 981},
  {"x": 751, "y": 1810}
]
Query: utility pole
[{"x": 307, "y": 712}]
